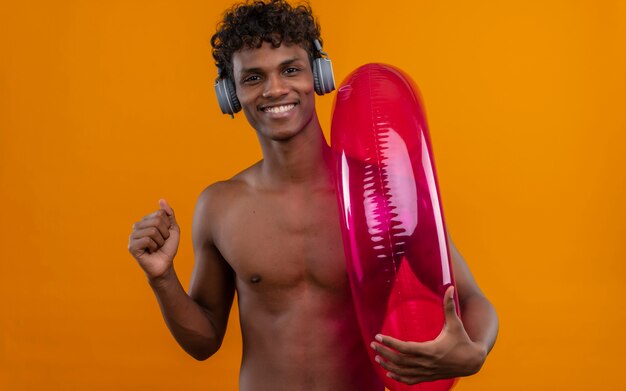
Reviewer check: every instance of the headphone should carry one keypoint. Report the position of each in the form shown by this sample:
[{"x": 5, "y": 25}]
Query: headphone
[{"x": 323, "y": 81}]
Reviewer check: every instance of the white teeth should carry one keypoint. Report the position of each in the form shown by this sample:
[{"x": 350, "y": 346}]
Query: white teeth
[{"x": 279, "y": 109}]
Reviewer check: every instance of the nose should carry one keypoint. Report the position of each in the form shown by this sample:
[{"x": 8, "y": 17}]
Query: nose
[{"x": 274, "y": 87}]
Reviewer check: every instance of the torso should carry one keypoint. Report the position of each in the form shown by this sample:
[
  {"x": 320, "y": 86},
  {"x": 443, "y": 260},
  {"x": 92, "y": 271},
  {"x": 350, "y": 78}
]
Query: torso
[{"x": 297, "y": 319}]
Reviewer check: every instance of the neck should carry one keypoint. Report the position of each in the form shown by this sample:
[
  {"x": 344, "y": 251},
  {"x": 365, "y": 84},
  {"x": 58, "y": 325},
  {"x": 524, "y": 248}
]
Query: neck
[{"x": 303, "y": 159}]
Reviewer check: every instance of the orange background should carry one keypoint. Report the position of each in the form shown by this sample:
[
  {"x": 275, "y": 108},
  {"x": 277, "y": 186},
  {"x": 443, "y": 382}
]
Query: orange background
[{"x": 106, "y": 106}]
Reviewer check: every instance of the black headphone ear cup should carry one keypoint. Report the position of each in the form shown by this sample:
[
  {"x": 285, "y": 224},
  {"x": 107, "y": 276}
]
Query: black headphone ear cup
[
  {"x": 323, "y": 77},
  {"x": 227, "y": 96},
  {"x": 316, "y": 79},
  {"x": 233, "y": 96}
]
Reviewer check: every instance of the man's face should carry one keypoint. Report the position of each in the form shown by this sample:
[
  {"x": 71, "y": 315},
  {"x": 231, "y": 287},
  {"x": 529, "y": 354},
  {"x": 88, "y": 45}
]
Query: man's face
[{"x": 275, "y": 89}]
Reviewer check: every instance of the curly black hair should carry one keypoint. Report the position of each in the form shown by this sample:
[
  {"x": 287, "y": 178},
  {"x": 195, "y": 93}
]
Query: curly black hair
[{"x": 251, "y": 23}]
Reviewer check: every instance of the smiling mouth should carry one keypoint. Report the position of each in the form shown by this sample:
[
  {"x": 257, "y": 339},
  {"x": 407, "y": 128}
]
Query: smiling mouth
[{"x": 278, "y": 109}]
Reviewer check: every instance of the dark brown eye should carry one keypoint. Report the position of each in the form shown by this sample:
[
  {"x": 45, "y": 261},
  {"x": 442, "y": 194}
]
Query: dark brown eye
[{"x": 251, "y": 79}]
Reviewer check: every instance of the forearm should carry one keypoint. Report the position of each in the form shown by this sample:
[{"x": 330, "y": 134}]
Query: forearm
[
  {"x": 188, "y": 322},
  {"x": 480, "y": 321}
]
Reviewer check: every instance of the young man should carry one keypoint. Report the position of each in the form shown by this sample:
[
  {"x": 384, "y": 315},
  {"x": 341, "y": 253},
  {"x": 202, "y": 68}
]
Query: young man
[{"x": 272, "y": 233}]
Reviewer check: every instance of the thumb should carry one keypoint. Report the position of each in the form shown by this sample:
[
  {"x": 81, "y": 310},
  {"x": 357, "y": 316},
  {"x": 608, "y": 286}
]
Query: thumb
[
  {"x": 170, "y": 212},
  {"x": 449, "y": 307}
]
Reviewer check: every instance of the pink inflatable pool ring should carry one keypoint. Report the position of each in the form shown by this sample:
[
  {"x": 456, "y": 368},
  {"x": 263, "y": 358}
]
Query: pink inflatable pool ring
[{"x": 392, "y": 223}]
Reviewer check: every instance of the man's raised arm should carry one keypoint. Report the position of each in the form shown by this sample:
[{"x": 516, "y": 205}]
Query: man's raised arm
[{"x": 198, "y": 320}]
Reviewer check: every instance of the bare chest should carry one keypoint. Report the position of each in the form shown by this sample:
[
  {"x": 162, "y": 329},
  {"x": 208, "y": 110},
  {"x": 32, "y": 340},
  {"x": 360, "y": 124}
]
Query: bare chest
[{"x": 279, "y": 242}]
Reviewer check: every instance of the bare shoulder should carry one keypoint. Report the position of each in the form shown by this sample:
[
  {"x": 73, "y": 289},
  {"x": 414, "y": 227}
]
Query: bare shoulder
[
  {"x": 217, "y": 199},
  {"x": 217, "y": 196}
]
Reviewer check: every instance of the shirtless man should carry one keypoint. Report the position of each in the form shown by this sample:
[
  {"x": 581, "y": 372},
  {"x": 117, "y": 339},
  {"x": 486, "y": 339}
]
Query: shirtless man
[{"x": 272, "y": 234}]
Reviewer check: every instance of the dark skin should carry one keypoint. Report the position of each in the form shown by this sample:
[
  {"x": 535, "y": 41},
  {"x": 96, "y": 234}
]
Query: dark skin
[{"x": 272, "y": 234}]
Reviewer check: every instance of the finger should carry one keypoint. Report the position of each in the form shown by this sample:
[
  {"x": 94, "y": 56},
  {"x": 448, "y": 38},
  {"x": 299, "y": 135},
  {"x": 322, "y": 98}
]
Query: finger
[
  {"x": 170, "y": 212},
  {"x": 156, "y": 213},
  {"x": 419, "y": 357},
  {"x": 166, "y": 207},
  {"x": 153, "y": 232},
  {"x": 160, "y": 220},
  {"x": 388, "y": 354},
  {"x": 450, "y": 305},
  {"x": 151, "y": 246},
  {"x": 410, "y": 348},
  {"x": 449, "y": 308},
  {"x": 397, "y": 369},
  {"x": 391, "y": 342},
  {"x": 138, "y": 247}
]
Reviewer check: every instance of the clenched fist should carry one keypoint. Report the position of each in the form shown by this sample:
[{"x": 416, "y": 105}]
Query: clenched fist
[{"x": 154, "y": 241}]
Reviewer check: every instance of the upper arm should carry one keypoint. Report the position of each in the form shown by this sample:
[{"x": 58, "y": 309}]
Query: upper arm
[
  {"x": 212, "y": 283},
  {"x": 479, "y": 316},
  {"x": 466, "y": 285}
]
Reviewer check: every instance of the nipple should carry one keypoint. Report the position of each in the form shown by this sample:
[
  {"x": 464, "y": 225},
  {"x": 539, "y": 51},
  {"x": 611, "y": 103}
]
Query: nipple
[{"x": 255, "y": 279}]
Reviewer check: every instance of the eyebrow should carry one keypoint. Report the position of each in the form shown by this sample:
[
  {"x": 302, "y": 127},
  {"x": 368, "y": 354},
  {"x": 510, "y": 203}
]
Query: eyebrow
[{"x": 258, "y": 70}]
